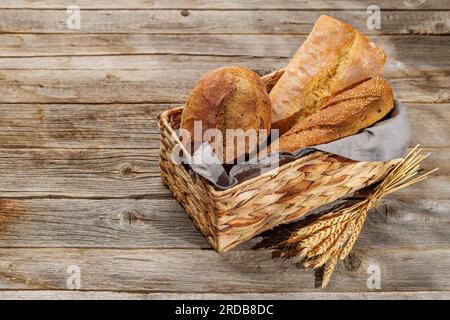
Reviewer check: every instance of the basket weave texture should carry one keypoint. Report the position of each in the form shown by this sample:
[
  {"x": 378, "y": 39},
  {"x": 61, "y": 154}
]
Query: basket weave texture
[{"x": 287, "y": 193}]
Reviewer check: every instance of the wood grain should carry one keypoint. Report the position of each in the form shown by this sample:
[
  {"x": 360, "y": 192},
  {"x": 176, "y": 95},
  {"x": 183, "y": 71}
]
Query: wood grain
[
  {"x": 418, "y": 66},
  {"x": 217, "y": 21},
  {"x": 168, "y": 86},
  {"x": 77, "y": 173},
  {"x": 414, "y": 50},
  {"x": 162, "y": 223},
  {"x": 121, "y": 126},
  {"x": 132, "y": 173},
  {"x": 79, "y": 176},
  {"x": 206, "y": 271},
  {"x": 67, "y": 150},
  {"x": 220, "y": 4},
  {"x": 129, "y": 126},
  {"x": 314, "y": 295}
]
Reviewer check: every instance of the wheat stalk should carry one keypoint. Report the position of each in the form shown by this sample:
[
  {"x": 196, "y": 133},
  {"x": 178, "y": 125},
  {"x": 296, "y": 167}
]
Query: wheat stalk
[{"x": 331, "y": 237}]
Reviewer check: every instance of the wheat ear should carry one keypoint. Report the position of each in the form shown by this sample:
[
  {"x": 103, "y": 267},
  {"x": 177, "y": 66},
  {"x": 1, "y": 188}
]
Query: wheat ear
[{"x": 331, "y": 237}]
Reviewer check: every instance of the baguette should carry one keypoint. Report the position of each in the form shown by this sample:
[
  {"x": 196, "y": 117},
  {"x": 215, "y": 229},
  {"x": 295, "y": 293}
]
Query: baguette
[
  {"x": 345, "y": 114},
  {"x": 333, "y": 57}
]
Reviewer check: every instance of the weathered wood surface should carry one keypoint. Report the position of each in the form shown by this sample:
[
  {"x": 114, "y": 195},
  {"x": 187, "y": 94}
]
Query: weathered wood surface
[
  {"x": 220, "y": 4},
  {"x": 314, "y": 295},
  {"x": 137, "y": 86},
  {"x": 133, "y": 173},
  {"x": 79, "y": 176},
  {"x": 134, "y": 126},
  {"x": 217, "y": 21},
  {"x": 406, "y": 49},
  {"x": 151, "y": 73},
  {"x": 164, "y": 83},
  {"x": 161, "y": 223},
  {"x": 197, "y": 271}
]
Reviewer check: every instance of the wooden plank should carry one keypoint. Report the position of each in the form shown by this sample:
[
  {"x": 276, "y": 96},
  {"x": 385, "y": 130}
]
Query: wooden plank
[
  {"x": 404, "y": 257},
  {"x": 93, "y": 86},
  {"x": 252, "y": 51},
  {"x": 217, "y": 21},
  {"x": 407, "y": 49},
  {"x": 405, "y": 57},
  {"x": 151, "y": 62},
  {"x": 220, "y": 4},
  {"x": 206, "y": 271},
  {"x": 423, "y": 118},
  {"x": 89, "y": 126},
  {"x": 112, "y": 223},
  {"x": 165, "y": 86},
  {"x": 117, "y": 173},
  {"x": 80, "y": 126},
  {"x": 84, "y": 168},
  {"x": 314, "y": 295},
  {"x": 80, "y": 173},
  {"x": 162, "y": 223}
]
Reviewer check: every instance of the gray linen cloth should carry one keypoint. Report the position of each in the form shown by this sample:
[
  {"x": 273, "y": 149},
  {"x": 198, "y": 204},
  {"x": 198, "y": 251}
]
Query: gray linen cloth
[{"x": 386, "y": 140}]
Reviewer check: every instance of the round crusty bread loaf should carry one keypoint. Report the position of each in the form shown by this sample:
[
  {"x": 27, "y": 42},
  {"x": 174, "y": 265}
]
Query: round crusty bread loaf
[{"x": 229, "y": 98}]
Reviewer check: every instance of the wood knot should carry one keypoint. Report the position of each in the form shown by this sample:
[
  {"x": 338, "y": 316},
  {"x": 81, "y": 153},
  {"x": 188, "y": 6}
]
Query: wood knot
[
  {"x": 384, "y": 211},
  {"x": 127, "y": 171},
  {"x": 185, "y": 12},
  {"x": 130, "y": 217},
  {"x": 352, "y": 262},
  {"x": 112, "y": 77}
]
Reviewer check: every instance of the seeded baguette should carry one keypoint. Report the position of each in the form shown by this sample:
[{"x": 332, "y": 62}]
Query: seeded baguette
[
  {"x": 345, "y": 114},
  {"x": 332, "y": 58}
]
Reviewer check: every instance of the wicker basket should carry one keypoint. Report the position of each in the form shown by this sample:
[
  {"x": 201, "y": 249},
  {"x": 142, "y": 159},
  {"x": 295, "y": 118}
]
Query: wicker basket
[{"x": 228, "y": 218}]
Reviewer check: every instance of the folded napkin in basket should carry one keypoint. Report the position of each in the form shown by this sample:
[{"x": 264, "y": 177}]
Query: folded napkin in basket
[{"x": 386, "y": 140}]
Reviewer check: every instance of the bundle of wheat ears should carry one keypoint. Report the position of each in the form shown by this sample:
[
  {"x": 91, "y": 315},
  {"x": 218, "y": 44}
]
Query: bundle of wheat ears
[{"x": 331, "y": 237}]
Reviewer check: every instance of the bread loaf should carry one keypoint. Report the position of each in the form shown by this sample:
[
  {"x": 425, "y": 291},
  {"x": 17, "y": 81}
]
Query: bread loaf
[
  {"x": 228, "y": 98},
  {"x": 333, "y": 57},
  {"x": 344, "y": 115}
]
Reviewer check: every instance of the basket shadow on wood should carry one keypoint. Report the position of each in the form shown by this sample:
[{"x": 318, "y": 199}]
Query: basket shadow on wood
[{"x": 229, "y": 217}]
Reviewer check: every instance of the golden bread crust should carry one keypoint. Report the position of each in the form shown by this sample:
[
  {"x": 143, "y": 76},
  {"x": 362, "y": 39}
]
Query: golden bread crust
[
  {"x": 333, "y": 57},
  {"x": 228, "y": 98},
  {"x": 345, "y": 114}
]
